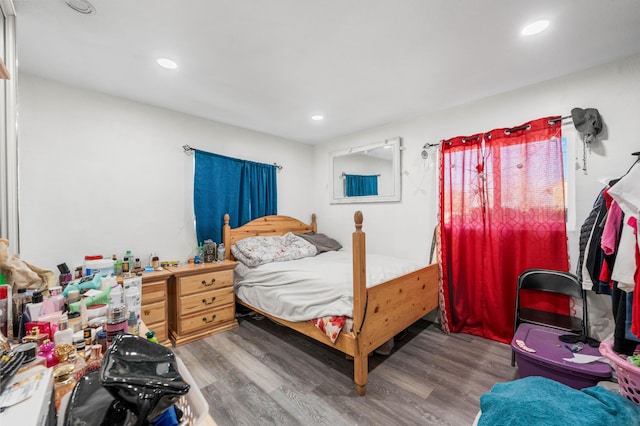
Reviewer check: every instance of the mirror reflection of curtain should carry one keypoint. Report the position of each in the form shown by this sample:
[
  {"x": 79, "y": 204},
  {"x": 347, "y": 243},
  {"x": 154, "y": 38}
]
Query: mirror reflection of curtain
[
  {"x": 360, "y": 185},
  {"x": 501, "y": 212},
  {"x": 244, "y": 189}
]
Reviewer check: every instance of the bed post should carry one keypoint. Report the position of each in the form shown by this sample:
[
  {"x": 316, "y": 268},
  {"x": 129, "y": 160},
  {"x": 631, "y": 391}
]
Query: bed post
[
  {"x": 314, "y": 225},
  {"x": 361, "y": 353},
  {"x": 226, "y": 236}
]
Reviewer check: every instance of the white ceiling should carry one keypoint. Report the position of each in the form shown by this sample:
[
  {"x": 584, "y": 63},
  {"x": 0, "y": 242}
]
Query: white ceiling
[{"x": 270, "y": 65}]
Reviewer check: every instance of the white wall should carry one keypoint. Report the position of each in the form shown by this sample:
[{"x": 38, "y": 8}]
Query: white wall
[
  {"x": 405, "y": 228},
  {"x": 100, "y": 174}
]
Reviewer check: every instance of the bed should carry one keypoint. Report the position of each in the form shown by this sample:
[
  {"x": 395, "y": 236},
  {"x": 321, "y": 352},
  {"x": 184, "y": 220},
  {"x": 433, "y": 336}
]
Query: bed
[{"x": 378, "y": 313}]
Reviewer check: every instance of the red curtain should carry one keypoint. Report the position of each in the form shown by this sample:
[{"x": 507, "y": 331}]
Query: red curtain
[{"x": 501, "y": 211}]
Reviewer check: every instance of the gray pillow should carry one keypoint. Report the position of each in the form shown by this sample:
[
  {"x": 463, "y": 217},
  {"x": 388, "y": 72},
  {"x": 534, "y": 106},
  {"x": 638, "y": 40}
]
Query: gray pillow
[{"x": 322, "y": 242}]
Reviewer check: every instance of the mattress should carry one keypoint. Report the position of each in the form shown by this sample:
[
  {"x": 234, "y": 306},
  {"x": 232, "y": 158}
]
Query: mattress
[{"x": 313, "y": 287}]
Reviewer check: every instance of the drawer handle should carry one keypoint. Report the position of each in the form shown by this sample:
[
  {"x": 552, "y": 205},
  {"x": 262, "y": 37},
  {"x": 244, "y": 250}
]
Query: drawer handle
[
  {"x": 213, "y": 317},
  {"x": 204, "y": 301},
  {"x": 206, "y": 284},
  {"x": 147, "y": 313}
]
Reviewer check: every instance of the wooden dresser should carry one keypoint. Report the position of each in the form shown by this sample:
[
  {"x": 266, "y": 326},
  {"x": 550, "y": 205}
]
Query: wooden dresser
[
  {"x": 201, "y": 301},
  {"x": 154, "y": 308}
]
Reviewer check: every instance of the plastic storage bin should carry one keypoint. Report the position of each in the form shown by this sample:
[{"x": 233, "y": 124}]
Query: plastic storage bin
[{"x": 548, "y": 360}]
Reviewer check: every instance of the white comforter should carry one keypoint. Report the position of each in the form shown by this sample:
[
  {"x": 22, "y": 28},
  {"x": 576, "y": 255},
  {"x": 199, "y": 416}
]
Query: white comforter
[{"x": 313, "y": 287}]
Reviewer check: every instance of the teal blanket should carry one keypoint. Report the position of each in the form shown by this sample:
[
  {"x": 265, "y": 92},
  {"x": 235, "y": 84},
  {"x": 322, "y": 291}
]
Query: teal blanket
[{"x": 541, "y": 401}]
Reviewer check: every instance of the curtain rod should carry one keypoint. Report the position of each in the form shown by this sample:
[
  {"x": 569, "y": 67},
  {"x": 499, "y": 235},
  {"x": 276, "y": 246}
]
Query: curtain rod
[
  {"x": 345, "y": 174},
  {"x": 188, "y": 150},
  {"x": 553, "y": 120},
  {"x": 472, "y": 138},
  {"x": 528, "y": 126}
]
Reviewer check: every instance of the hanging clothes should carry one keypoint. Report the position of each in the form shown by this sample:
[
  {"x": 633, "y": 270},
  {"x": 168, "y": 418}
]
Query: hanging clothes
[
  {"x": 586, "y": 237},
  {"x": 612, "y": 254},
  {"x": 627, "y": 193}
]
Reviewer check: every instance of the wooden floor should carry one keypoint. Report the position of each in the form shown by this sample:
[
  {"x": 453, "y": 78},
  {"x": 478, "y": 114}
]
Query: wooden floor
[{"x": 265, "y": 374}]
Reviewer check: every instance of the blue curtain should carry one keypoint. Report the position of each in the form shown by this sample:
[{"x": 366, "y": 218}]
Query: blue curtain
[
  {"x": 262, "y": 188},
  {"x": 360, "y": 185},
  {"x": 244, "y": 189}
]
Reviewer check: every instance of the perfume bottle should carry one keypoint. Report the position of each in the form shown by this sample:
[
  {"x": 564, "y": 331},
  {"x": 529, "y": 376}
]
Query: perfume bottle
[
  {"x": 46, "y": 351},
  {"x": 64, "y": 335},
  {"x": 79, "y": 365},
  {"x": 64, "y": 382},
  {"x": 94, "y": 361}
]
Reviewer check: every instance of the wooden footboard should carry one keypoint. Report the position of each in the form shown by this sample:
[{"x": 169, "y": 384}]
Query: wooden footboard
[
  {"x": 379, "y": 313},
  {"x": 382, "y": 311}
]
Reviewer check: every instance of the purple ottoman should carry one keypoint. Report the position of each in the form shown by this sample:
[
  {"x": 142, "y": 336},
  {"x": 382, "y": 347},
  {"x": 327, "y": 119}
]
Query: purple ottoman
[{"x": 548, "y": 361}]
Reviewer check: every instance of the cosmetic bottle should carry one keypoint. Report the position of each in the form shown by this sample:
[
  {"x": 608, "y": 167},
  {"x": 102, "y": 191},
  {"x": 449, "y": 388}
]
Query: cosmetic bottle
[
  {"x": 46, "y": 351},
  {"x": 33, "y": 310},
  {"x": 117, "y": 267},
  {"x": 117, "y": 321},
  {"x": 4, "y": 305},
  {"x": 54, "y": 303},
  {"x": 102, "y": 340},
  {"x": 79, "y": 345},
  {"x": 94, "y": 360},
  {"x": 129, "y": 258},
  {"x": 64, "y": 382},
  {"x": 64, "y": 335},
  {"x": 65, "y": 276},
  {"x": 116, "y": 296},
  {"x": 19, "y": 302},
  {"x": 74, "y": 321},
  {"x": 132, "y": 324},
  {"x": 221, "y": 252}
]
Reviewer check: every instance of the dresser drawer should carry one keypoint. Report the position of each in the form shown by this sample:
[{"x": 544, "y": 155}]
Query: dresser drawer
[
  {"x": 206, "y": 319},
  {"x": 154, "y": 312},
  {"x": 154, "y": 292},
  {"x": 206, "y": 281},
  {"x": 205, "y": 300}
]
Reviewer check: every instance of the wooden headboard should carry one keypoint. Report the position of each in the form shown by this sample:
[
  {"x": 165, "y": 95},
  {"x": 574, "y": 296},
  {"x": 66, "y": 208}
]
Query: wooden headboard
[{"x": 264, "y": 226}]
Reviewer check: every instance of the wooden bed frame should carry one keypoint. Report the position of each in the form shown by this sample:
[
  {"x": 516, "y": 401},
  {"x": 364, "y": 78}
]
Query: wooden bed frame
[{"x": 378, "y": 314}]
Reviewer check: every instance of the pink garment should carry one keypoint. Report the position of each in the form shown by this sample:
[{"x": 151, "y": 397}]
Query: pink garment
[
  {"x": 625, "y": 266},
  {"x": 611, "y": 231},
  {"x": 635, "y": 311}
]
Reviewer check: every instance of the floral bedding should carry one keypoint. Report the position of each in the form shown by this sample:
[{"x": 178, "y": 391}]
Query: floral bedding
[
  {"x": 255, "y": 251},
  {"x": 330, "y": 326}
]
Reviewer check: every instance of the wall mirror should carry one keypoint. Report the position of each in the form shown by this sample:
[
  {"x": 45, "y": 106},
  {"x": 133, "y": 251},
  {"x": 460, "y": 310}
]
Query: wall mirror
[{"x": 366, "y": 174}]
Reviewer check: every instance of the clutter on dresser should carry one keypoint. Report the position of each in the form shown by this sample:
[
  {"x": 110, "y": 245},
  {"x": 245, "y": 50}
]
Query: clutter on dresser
[{"x": 59, "y": 332}]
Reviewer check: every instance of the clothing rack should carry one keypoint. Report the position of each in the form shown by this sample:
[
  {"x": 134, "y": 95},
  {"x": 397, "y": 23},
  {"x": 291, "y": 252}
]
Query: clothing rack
[
  {"x": 188, "y": 150},
  {"x": 637, "y": 154}
]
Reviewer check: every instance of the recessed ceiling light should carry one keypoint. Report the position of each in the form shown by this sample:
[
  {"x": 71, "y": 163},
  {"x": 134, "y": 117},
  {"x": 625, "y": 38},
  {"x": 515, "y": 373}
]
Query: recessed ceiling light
[
  {"x": 535, "y": 27},
  {"x": 167, "y": 63},
  {"x": 317, "y": 117}
]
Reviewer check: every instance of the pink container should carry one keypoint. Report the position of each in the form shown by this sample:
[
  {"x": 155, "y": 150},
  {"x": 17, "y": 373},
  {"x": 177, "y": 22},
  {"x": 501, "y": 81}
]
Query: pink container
[{"x": 628, "y": 374}]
